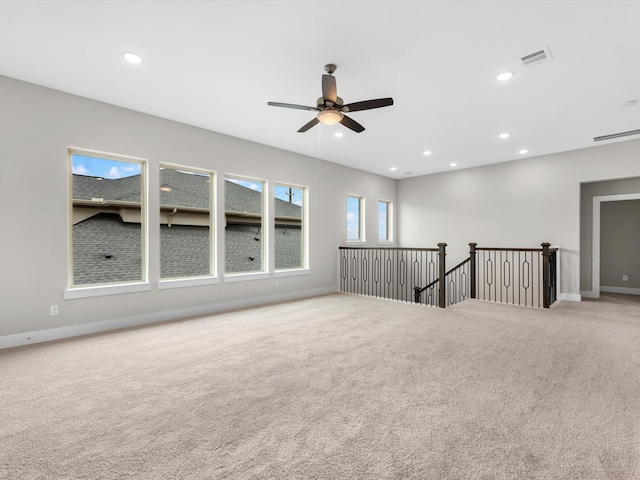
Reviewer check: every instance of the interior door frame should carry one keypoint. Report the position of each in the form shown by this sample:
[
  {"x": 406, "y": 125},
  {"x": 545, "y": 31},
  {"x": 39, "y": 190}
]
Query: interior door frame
[{"x": 595, "y": 244}]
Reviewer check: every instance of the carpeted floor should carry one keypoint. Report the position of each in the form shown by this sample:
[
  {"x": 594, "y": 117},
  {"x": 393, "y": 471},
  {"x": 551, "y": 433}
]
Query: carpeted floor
[{"x": 335, "y": 387}]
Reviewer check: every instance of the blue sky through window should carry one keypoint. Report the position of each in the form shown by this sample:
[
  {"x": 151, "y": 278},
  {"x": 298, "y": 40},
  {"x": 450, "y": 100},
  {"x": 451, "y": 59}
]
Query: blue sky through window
[
  {"x": 252, "y": 184},
  {"x": 353, "y": 218},
  {"x": 102, "y": 167},
  {"x": 282, "y": 192},
  {"x": 383, "y": 216}
]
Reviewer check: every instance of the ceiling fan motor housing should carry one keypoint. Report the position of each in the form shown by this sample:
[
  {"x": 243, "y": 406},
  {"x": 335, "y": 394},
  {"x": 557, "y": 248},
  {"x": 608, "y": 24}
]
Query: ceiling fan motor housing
[{"x": 321, "y": 103}]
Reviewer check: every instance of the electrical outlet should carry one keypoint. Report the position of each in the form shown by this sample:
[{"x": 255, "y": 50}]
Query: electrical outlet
[
  {"x": 625, "y": 278},
  {"x": 54, "y": 310}
]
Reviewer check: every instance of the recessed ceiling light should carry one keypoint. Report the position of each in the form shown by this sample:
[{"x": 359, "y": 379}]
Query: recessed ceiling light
[
  {"x": 393, "y": 169},
  {"x": 338, "y": 134},
  {"x": 504, "y": 76},
  {"x": 132, "y": 57},
  {"x": 454, "y": 164},
  {"x": 523, "y": 151},
  {"x": 504, "y": 135},
  {"x": 165, "y": 188},
  {"x": 427, "y": 152}
]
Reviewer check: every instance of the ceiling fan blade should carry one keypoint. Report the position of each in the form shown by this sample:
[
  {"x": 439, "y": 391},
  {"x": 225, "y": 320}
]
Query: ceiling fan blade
[
  {"x": 307, "y": 126},
  {"x": 291, "y": 105},
  {"x": 329, "y": 90},
  {"x": 367, "y": 104},
  {"x": 352, "y": 124}
]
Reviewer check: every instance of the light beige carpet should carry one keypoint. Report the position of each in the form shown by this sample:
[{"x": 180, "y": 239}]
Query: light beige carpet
[{"x": 335, "y": 387}]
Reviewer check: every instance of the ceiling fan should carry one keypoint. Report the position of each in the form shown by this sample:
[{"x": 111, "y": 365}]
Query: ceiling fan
[{"x": 331, "y": 108}]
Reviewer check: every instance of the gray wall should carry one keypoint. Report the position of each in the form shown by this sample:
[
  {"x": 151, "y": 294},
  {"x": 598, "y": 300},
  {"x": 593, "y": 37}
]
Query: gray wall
[
  {"x": 513, "y": 204},
  {"x": 38, "y": 124},
  {"x": 587, "y": 192},
  {"x": 620, "y": 243}
]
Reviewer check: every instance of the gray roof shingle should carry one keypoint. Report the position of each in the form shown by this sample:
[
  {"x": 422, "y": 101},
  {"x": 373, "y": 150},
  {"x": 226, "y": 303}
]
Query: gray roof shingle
[{"x": 186, "y": 190}]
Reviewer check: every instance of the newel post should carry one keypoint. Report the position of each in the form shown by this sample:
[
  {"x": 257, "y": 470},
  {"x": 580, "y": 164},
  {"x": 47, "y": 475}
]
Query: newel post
[
  {"x": 442, "y": 293},
  {"x": 472, "y": 270},
  {"x": 545, "y": 275},
  {"x": 417, "y": 294}
]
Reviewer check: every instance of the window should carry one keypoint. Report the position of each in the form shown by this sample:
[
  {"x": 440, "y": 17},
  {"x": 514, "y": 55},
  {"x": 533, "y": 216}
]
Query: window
[
  {"x": 384, "y": 220},
  {"x": 244, "y": 228},
  {"x": 108, "y": 233},
  {"x": 289, "y": 243},
  {"x": 185, "y": 222},
  {"x": 355, "y": 209}
]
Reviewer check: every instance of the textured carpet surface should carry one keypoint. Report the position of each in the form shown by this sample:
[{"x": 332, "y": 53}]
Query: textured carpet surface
[{"x": 335, "y": 387}]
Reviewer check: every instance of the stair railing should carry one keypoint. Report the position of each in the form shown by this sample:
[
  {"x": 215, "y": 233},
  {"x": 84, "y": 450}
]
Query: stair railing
[
  {"x": 390, "y": 273},
  {"x": 519, "y": 276}
]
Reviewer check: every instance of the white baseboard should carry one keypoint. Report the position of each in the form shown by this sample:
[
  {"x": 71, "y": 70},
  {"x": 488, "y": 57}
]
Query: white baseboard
[
  {"x": 589, "y": 294},
  {"x": 39, "y": 336},
  {"x": 572, "y": 297},
  {"x": 625, "y": 290}
]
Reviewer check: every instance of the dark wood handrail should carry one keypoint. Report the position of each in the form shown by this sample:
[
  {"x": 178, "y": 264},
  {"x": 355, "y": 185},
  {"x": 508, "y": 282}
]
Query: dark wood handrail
[
  {"x": 507, "y": 249},
  {"x": 390, "y": 248},
  {"x": 467, "y": 260},
  {"x": 458, "y": 266}
]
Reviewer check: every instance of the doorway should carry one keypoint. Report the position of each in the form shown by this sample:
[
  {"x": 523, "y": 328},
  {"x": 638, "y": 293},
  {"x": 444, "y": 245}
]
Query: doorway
[{"x": 597, "y": 254}]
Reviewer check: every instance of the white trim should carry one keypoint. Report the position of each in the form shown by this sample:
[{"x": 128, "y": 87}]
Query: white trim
[
  {"x": 40, "y": 336},
  {"x": 243, "y": 277},
  {"x": 389, "y": 221},
  {"x": 572, "y": 297},
  {"x": 291, "y": 273},
  {"x": 144, "y": 220},
  {"x": 595, "y": 243},
  {"x": 100, "y": 290},
  {"x": 108, "y": 155},
  {"x": 625, "y": 290},
  {"x": 305, "y": 218},
  {"x": 589, "y": 294},
  {"x": 265, "y": 220},
  {"x": 186, "y": 282},
  {"x": 212, "y": 213}
]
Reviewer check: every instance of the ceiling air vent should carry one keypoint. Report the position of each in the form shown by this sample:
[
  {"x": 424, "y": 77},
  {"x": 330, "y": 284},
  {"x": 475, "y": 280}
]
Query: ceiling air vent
[
  {"x": 616, "y": 135},
  {"x": 536, "y": 57}
]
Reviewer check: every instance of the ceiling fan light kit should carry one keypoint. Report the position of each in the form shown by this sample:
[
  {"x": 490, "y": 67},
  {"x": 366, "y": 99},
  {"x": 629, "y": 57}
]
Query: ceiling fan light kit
[
  {"x": 331, "y": 108},
  {"x": 330, "y": 116}
]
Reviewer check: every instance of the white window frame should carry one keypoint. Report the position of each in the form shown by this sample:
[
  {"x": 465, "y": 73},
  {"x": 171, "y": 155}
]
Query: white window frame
[
  {"x": 84, "y": 291},
  {"x": 361, "y": 219},
  {"x": 304, "y": 269},
  {"x": 212, "y": 278},
  {"x": 389, "y": 220},
  {"x": 264, "y": 272}
]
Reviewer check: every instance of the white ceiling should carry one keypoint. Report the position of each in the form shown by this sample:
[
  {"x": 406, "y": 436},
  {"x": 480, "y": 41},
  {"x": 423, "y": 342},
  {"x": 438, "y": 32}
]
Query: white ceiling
[{"x": 215, "y": 64}]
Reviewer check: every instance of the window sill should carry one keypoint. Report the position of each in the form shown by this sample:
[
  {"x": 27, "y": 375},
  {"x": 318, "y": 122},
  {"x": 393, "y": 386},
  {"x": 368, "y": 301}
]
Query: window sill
[
  {"x": 243, "y": 277},
  {"x": 387, "y": 243},
  {"x": 97, "y": 291},
  {"x": 356, "y": 243},
  {"x": 291, "y": 273},
  {"x": 186, "y": 282}
]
